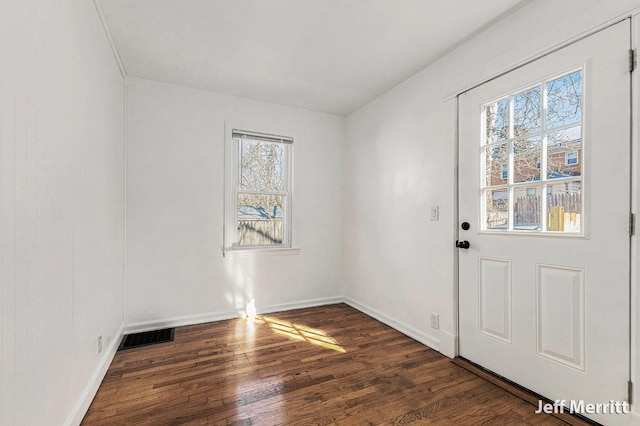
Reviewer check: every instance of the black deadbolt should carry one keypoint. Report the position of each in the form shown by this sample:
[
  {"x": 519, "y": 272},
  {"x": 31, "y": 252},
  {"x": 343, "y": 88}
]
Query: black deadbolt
[{"x": 466, "y": 226}]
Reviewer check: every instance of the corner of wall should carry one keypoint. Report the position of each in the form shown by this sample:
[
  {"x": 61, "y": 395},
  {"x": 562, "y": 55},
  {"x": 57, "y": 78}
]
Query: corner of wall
[
  {"x": 404, "y": 328},
  {"x": 84, "y": 402}
]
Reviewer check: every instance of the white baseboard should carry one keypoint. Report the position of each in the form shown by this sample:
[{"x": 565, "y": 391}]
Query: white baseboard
[
  {"x": 80, "y": 409},
  {"x": 300, "y": 305},
  {"x": 138, "y": 327},
  {"x": 396, "y": 324},
  {"x": 141, "y": 326}
]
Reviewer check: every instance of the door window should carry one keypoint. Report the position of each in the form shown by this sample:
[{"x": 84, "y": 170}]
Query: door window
[{"x": 531, "y": 158}]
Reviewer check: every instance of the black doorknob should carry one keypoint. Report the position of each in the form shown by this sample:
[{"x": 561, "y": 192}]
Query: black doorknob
[
  {"x": 463, "y": 244},
  {"x": 465, "y": 226}
]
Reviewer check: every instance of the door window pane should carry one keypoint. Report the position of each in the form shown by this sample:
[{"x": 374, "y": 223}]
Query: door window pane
[
  {"x": 564, "y": 206},
  {"x": 526, "y": 160},
  {"x": 526, "y": 208},
  {"x": 497, "y": 208},
  {"x": 527, "y": 112},
  {"x": 564, "y": 100},
  {"x": 497, "y": 121},
  {"x": 497, "y": 164},
  {"x": 564, "y": 149}
]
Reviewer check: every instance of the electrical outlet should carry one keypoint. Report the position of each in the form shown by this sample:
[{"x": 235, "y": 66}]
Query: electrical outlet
[
  {"x": 435, "y": 321},
  {"x": 99, "y": 345}
]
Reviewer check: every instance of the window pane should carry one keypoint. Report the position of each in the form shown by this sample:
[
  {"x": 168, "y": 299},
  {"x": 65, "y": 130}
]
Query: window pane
[
  {"x": 497, "y": 116},
  {"x": 564, "y": 205},
  {"x": 497, "y": 164},
  {"x": 526, "y": 160},
  {"x": 527, "y": 107},
  {"x": 564, "y": 151},
  {"x": 262, "y": 166},
  {"x": 497, "y": 208},
  {"x": 260, "y": 219},
  {"x": 526, "y": 208},
  {"x": 564, "y": 100}
]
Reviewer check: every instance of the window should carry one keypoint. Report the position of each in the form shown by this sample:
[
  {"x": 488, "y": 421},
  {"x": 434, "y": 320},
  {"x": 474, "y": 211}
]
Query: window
[
  {"x": 571, "y": 158},
  {"x": 258, "y": 191},
  {"x": 532, "y": 179}
]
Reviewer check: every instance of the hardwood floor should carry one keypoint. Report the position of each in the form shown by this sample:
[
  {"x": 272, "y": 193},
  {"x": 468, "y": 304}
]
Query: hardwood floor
[{"x": 330, "y": 365}]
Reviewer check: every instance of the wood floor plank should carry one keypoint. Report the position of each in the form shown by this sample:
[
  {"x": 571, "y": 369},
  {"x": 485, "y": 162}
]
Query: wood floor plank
[{"x": 330, "y": 365}]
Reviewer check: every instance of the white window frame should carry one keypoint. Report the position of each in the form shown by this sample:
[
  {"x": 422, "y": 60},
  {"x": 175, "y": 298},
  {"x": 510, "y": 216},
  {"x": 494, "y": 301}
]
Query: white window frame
[{"x": 230, "y": 247}]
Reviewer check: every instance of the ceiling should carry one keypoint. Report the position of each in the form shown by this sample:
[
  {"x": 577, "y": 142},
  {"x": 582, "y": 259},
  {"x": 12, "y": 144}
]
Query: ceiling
[{"x": 324, "y": 55}]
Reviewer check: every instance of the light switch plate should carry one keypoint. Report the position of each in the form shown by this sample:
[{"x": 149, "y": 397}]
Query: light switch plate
[{"x": 435, "y": 212}]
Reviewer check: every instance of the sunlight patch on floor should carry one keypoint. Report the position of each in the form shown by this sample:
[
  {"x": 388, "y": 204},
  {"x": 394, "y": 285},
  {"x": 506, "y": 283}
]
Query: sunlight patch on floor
[{"x": 299, "y": 332}]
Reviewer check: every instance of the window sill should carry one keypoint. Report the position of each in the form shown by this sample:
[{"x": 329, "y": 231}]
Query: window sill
[{"x": 259, "y": 251}]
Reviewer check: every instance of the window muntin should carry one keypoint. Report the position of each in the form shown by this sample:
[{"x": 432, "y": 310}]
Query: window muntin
[
  {"x": 533, "y": 145},
  {"x": 261, "y": 191}
]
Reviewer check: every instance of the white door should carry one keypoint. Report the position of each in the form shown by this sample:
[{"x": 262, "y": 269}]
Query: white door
[{"x": 544, "y": 184}]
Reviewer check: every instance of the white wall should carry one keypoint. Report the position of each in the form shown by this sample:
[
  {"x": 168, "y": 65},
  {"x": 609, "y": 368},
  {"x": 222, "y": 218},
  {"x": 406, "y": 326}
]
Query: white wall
[
  {"x": 175, "y": 183},
  {"x": 401, "y": 154},
  {"x": 61, "y": 207}
]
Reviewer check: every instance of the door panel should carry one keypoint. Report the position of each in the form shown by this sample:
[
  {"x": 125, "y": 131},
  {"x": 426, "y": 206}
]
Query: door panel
[
  {"x": 544, "y": 181},
  {"x": 495, "y": 298},
  {"x": 560, "y": 314}
]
